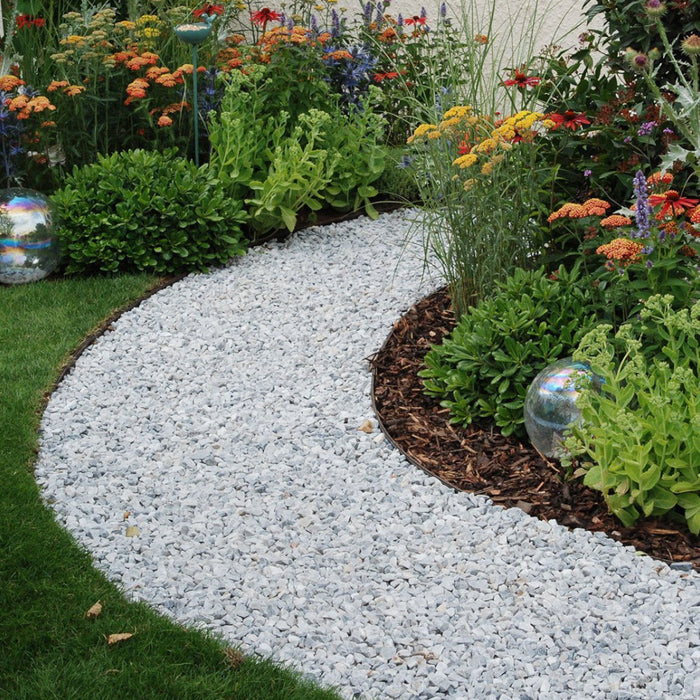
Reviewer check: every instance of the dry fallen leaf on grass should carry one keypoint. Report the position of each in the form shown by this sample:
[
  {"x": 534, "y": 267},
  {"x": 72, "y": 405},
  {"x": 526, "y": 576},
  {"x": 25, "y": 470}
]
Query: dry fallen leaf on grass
[
  {"x": 234, "y": 657},
  {"x": 132, "y": 531},
  {"x": 116, "y": 638},
  {"x": 367, "y": 427},
  {"x": 94, "y": 611}
]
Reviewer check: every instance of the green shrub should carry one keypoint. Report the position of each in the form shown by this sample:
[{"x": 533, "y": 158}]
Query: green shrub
[
  {"x": 148, "y": 212},
  {"x": 482, "y": 371},
  {"x": 640, "y": 437}
]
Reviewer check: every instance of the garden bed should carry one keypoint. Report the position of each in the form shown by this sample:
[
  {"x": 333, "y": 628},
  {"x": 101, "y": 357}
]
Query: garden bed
[{"x": 481, "y": 460}]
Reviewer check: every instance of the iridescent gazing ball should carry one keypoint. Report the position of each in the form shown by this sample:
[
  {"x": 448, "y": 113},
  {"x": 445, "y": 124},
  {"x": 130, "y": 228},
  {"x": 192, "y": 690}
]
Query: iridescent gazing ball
[
  {"x": 550, "y": 404},
  {"x": 29, "y": 248}
]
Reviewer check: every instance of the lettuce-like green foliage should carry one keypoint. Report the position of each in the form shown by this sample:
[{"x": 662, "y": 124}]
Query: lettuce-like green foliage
[{"x": 639, "y": 443}]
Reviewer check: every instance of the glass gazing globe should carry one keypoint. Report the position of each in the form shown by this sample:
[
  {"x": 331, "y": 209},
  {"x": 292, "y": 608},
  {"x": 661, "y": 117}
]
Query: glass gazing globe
[
  {"x": 28, "y": 246},
  {"x": 550, "y": 404}
]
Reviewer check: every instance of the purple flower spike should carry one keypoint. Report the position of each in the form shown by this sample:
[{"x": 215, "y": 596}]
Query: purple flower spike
[{"x": 643, "y": 208}]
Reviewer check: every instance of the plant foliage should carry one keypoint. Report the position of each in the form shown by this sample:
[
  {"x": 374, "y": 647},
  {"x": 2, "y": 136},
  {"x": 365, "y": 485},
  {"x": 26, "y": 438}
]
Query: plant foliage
[
  {"x": 639, "y": 443},
  {"x": 146, "y": 211},
  {"x": 482, "y": 371}
]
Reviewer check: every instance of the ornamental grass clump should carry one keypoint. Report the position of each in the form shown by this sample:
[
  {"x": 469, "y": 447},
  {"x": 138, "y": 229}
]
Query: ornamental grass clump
[
  {"x": 483, "y": 192},
  {"x": 639, "y": 443}
]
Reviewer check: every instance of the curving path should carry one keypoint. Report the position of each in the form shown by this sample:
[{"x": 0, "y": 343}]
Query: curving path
[{"x": 223, "y": 414}]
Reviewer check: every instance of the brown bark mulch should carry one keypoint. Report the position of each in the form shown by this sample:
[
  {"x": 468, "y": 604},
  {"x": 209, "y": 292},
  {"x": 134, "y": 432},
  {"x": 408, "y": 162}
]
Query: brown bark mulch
[{"x": 481, "y": 460}]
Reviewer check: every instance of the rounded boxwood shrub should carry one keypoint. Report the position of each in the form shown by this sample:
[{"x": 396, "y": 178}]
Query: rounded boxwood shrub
[
  {"x": 149, "y": 212},
  {"x": 483, "y": 369}
]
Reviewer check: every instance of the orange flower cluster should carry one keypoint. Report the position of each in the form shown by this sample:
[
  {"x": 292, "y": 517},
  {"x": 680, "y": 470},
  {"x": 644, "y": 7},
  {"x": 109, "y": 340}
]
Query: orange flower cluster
[
  {"x": 65, "y": 87},
  {"x": 571, "y": 210},
  {"x": 657, "y": 179},
  {"x": 165, "y": 119},
  {"x": 10, "y": 82},
  {"x": 229, "y": 58},
  {"x": 622, "y": 251},
  {"x": 25, "y": 106},
  {"x": 615, "y": 221}
]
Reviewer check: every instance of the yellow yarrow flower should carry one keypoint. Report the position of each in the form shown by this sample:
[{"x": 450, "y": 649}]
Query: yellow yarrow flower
[
  {"x": 458, "y": 112},
  {"x": 448, "y": 124},
  {"x": 486, "y": 146},
  {"x": 465, "y": 161},
  {"x": 146, "y": 19},
  {"x": 421, "y": 131}
]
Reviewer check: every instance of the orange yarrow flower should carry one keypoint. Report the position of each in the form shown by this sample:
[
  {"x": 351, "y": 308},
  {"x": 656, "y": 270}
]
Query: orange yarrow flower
[
  {"x": 621, "y": 250},
  {"x": 73, "y": 90},
  {"x": 56, "y": 84},
  {"x": 615, "y": 221},
  {"x": 154, "y": 71},
  {"x": 10, "y": 82},
  {"x": 570, "y": 210},
  {"x": 659, "y": 178},
  {"x": 596, "y": 207},
  {"x": 168, "y": 79}
]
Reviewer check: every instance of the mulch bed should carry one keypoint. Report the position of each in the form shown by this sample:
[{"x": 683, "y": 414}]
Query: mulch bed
[{"x": 481, "y": 460}]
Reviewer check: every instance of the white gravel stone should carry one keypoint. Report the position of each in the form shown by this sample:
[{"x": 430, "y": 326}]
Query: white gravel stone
[{"x": 223, "y": 413}]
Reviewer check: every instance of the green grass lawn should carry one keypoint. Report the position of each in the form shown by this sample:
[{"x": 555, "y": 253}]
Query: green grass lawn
[{"x": 48, "y": 648}]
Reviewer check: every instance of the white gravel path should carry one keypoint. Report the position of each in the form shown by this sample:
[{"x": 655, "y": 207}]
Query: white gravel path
[{"x": 223, "y": 413}]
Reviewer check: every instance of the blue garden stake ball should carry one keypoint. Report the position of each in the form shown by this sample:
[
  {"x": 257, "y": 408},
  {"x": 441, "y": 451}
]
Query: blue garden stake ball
[
  {"x": 29, "y": 248},
  {"x": 550, "y": 404}
]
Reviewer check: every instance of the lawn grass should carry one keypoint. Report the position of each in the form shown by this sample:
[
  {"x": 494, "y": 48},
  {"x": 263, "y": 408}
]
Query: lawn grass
[{"x": 48, "y": 648}]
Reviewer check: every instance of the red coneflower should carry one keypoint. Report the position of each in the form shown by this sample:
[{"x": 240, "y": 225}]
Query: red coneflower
[
  {"x": 522, "y": 80},
  {"x": 415, "y": 20},
  {"x": 262, "y": 17},
  {"x": 569, "y": 120},
  {"x": 672, "y": 202},
  {"x": 209, "y": 10}
]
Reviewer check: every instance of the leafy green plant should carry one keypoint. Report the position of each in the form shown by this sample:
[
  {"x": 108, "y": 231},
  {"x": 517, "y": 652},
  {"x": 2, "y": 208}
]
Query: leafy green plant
[
  {"x": 146, "y": 211},
  {"x": 298, "y": 173},
  {"x": 280, "y": 165},
  {"x": 639, "y": 443},
  {"x": 360, "y": 167},
  {"x": 482, "y": 371},
  {"x": 241, "y": 132}
]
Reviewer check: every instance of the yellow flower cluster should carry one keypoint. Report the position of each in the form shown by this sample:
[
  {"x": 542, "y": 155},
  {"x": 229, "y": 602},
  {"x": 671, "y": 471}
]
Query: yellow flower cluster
[
  {"x": 421, "y": 131},
  {"x": 521, "y": 126},
  {"x": 479, "y": 139}
]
